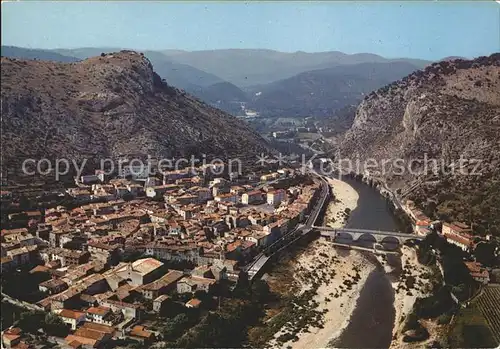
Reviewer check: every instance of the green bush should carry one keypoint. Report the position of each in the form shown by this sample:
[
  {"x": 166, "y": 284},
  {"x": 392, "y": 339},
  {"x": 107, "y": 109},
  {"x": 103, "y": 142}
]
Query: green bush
[{"x": 444, "y": 319}]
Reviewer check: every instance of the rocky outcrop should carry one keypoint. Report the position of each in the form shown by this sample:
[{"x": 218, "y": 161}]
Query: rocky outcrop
[{"x": 449, "y": 111}]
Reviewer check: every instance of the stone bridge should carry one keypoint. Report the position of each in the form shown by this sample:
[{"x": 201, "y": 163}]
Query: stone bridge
[{"x": 375, "y": 236}]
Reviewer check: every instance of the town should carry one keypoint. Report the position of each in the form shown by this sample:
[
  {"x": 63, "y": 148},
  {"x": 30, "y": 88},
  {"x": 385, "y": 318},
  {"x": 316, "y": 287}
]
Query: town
[{"x": 124, "y": 250}]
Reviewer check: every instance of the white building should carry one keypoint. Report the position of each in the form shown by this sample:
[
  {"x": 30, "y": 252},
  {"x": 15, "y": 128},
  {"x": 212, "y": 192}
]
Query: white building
[
  {"x": 276, "y": 197},
  {"x": 71, "y": 317}
]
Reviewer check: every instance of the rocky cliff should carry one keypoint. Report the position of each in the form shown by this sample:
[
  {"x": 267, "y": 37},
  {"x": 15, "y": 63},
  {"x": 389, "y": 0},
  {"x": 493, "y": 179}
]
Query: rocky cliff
[
  {"x": 449, "y": 111},
  {"x": 106, "y": 106}
]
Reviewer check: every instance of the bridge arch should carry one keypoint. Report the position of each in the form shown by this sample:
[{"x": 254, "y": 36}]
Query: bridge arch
[
  {"x": 391, "y": 239},
  {"x": 366, "y": 237},
  {"x": 344, "y": 237}
]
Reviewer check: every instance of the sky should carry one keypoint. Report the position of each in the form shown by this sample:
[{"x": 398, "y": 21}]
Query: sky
[{"x": 426, "y": 29}]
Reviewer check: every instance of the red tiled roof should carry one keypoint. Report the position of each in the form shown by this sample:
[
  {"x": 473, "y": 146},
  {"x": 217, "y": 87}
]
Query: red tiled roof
[
  {"x": 195, "y": 302},
  {"x": 71, "y": 314},
  {"x": 458, "y": 238},
  {"x": 140, "y": 331},
  {"x": 75, "y": 344},
  {"x": 100, "y": 310}
]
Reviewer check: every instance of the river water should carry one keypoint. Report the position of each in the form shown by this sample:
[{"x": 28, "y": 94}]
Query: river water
[{"x": 372, "y": 321}]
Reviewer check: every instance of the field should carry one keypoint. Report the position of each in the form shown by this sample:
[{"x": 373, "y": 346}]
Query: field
[
  {"x": 489, "y": 304},
  {"x": 478, "y": 325}
]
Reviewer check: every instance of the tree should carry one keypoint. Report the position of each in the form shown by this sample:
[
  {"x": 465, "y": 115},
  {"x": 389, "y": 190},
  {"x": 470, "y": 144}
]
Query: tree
[
  {"x": 175, "y": 327},
  {"x": 260, "y": 291},
  {"x": 31, "y": 321},
  {"x": 485, "y": 254},
  {"x": 54, "y": 326}
]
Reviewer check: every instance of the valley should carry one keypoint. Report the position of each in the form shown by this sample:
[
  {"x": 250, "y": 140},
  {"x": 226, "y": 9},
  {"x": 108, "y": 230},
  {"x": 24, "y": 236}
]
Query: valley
[{"x": 250, "y": 175}]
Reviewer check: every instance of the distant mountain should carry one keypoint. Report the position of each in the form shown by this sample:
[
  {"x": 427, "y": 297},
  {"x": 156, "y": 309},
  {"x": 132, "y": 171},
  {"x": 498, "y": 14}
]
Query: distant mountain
[
  {"x": 38, "y": 54},
  {"x": 221, "y": 91},
  {"x": 222, "y": 95},
  {"x": 180, "y": 75},
  {"x": 322, "y": 92},
  {"x": 106, "y": 106},
  {"x": 86, "y": 52},
  {"x": 247, "y": 67}
]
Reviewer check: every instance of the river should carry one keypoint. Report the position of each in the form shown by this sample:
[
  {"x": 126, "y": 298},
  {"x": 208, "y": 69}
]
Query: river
[{"x": 372, "y": 321}]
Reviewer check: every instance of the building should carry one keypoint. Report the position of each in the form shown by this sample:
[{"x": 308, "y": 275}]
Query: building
[
  {"x": 91, "y": 335},
  {"x": 276, "y": 197},
  {"x": 102, "y": 315},
  {"x": 72, "y": 318},
  {"x": 161, "y": 286},
  {"x": 55, "y": 237},
  {"x": 65, "y": 256},
  {"x": 229, "y": 197},
  {"x": 458, "y": 234},
  {"x": 193, "y": 303},
  {"x": 160, "y": 302},
  {"x": 157, "y": 191},
  {"x": 11, "y": 337},
  {"x": 140, "y": 272},
  {"x": 192, "y": 284},
  {"x": 89, "y": 179},
  {"x": 53, "y": 286},
  {"x": 129, "y": 310},
  {"x": 269, "y": 177},
  {"x": 251, "y": 197},
  {"x": 173, "y": 252},
  {"x": 477, "y": 272},
  {"x": 422, "y": 227},
  {"x": 140, "y": 333},
  {"x": 456, "y": 228},
  {"x": 23, "y": 255}
]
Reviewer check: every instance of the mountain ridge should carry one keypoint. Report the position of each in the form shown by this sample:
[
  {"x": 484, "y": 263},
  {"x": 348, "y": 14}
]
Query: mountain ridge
[
  {"x": 247, "y": 67},
  {"x": 106, "y": 106},
  {"x": 323, "y": 91}
]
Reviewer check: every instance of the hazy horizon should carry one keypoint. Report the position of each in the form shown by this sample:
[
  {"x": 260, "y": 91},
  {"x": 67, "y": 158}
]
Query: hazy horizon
[
  {"x": 161, "y": 50},
  {"x": 420, "y": 30}
]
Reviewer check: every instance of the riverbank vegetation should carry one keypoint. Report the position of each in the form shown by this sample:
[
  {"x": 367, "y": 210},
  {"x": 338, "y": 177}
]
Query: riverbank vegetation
[{"x": 448, "y": 310}]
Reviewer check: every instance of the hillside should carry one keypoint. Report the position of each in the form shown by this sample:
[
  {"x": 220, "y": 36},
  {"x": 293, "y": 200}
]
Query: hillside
[
  {"x": 179, "y": 75},
  {"x": 248, "y": 67},
  {"x": 451, "y": 108},
  {"x": 106, "y": 106},
  {"x": 321, "y": 92}
]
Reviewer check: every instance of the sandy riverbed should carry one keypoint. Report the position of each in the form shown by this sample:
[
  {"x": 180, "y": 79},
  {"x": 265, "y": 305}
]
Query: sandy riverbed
[
  {"x": 338, "y": 279},
  {"x": 336, "y": 295},
  {"x": 346, "y": 197},
  {"x": 407, "y": 292}
]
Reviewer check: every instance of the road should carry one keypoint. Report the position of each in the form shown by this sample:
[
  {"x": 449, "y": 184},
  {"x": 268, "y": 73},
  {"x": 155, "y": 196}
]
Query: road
[{"x": 20, "y": 304}]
